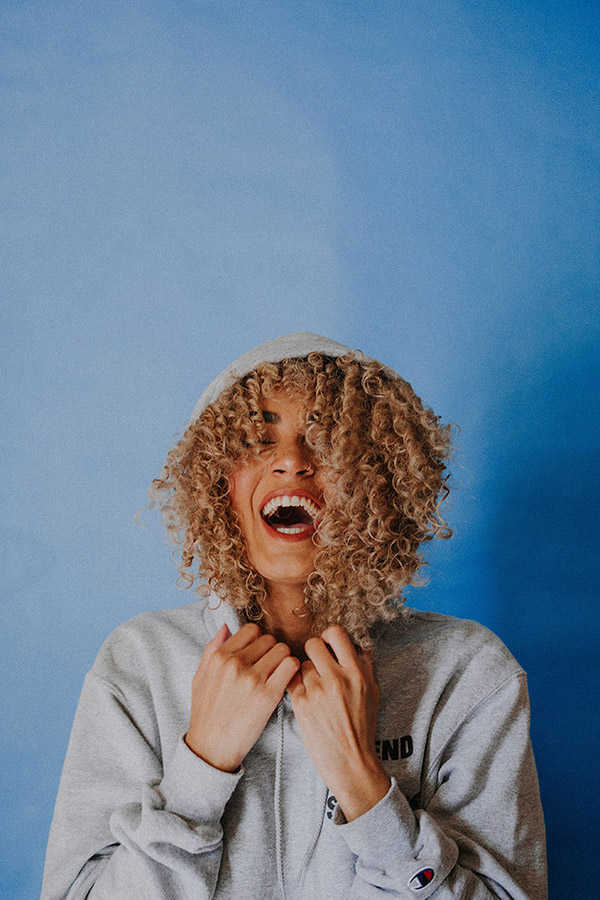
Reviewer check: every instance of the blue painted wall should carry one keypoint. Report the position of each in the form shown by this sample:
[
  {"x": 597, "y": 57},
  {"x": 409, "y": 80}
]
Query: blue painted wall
[{"x": 182, "y": 180}]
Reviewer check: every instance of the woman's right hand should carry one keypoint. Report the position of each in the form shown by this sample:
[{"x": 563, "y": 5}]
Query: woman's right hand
[{"x": 238, "y": 684}]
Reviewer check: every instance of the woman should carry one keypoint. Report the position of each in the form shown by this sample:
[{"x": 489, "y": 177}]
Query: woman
[{"x": 298, "y": 732}]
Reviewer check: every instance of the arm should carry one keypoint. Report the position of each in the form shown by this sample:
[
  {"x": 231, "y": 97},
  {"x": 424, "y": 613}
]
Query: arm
[
  {"x": 122, "y": 828},
  {"x": 128, "y": 824},
  {"x": 480, "y": 829}
]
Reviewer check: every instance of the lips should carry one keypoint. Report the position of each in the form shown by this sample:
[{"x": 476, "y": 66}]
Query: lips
[{"x": 290, "y": 515}]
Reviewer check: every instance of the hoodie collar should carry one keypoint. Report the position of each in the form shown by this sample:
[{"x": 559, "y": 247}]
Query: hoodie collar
[{"x": 218, "y": 612}]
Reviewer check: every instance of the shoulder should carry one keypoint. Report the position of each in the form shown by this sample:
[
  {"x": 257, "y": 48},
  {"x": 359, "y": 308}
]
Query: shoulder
[
  {"x": 465, "y": 637},
  {"x": 151, "y": 641},
  {"x": 446, "y": 639},
  {"x": 451, "y": 664}
]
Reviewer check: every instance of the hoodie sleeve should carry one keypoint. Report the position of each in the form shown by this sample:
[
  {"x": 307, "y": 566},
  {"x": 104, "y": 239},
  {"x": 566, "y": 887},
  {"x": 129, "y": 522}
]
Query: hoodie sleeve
[
  {"x": 124, "y": 827},
  {"x": 481, "y": 833}
]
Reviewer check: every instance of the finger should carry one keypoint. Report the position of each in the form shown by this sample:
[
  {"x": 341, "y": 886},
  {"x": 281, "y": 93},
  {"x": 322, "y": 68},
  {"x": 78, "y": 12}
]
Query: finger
[
  {"x": 336, "y": 638},
  {"x": 365, "y": 661},
  {"x": 309, "y": 674},
  {"x": 365, "y": 658},
  {"x": 222, "y": 635},
  {"x": 283, "y": 674},
  {"x": 319, "y": 656},
  {"x": 296, "y": 685},
  {"x": 269, "y": 661},
  {"x": 254, "y": 651},
  {"x": 246, "y": 635}
]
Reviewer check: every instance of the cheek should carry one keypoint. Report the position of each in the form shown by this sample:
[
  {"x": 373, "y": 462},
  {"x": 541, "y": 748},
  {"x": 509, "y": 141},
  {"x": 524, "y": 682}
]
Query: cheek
[
  {"x": 326, "y": 485},
  {"x": 242, "y": 484},
  {"x": 235, "y": 489}
]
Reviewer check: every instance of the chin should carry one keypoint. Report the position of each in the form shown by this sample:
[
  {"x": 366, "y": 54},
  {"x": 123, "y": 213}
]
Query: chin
[
  {"x": 287, "y": 577},
  {"x": 285, "y": 572}
]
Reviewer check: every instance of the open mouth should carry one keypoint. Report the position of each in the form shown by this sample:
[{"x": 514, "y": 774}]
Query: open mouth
[{"x": 291, "y": 514}]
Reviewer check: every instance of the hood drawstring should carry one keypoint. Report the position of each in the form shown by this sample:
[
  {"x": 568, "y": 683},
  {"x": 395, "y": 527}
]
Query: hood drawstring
[
  {"x": 311, "y": 847},
  {"x": 277, "y": 806},
  {"x": 277, "y": 799}
]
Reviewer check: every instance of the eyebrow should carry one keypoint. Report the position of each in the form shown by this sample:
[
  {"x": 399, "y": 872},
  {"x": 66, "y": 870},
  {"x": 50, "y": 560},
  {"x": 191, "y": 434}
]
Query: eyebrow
[{"x": 269, "y": 417}]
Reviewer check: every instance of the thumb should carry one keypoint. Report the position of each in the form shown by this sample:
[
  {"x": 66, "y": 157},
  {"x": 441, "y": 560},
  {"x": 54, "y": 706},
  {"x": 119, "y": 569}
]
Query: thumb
[{"x": 222, "y": 635}]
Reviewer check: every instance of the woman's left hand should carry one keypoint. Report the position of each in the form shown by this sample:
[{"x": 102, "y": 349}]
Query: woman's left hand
[{"x": 336, "y": 700}]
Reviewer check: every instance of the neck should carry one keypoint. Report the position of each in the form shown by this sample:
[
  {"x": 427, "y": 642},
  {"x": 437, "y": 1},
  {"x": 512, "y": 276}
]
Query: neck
[{"x": 287, "y": 618}]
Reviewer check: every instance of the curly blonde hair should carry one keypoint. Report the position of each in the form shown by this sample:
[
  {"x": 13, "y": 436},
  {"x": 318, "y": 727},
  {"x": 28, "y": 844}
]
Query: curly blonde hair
[{"x": 384, "y": 454}]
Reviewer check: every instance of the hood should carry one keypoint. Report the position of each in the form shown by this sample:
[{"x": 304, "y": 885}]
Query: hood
[{"x": 300, "y": 343}]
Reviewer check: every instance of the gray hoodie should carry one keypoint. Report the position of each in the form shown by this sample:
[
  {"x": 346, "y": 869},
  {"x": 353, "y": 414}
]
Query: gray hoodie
[{"x": 138, "y": 815}]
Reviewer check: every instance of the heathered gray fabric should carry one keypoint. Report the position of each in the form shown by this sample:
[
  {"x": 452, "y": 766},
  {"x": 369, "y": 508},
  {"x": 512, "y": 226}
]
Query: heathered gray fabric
[{"x": 140, "y": 817}]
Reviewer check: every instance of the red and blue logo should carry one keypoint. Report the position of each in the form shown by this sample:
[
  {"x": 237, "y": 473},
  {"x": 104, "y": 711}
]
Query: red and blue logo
[{"x": 421, "y": 879}]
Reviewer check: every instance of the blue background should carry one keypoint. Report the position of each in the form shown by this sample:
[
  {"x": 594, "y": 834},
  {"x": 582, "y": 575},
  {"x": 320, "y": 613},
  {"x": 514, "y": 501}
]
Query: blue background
[{"x": 182, "y": 180}]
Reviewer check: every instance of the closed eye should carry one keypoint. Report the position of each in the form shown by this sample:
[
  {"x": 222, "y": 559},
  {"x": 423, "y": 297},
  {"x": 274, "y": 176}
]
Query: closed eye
[{"x": 262, "y": 443}]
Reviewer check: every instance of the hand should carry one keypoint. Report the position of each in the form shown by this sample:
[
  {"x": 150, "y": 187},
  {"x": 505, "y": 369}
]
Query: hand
[
  {"x": 335, "y": 701},
  {"x": 239, "y": 682}
]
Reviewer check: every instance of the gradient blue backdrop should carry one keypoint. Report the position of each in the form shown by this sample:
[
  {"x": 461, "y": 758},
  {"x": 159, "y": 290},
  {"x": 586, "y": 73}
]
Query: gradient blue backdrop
[{"x": 182, "y": 180}]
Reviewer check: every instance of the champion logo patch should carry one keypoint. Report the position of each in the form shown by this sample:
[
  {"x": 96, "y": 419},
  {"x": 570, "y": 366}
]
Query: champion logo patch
[{"x": 421, "y": 879}]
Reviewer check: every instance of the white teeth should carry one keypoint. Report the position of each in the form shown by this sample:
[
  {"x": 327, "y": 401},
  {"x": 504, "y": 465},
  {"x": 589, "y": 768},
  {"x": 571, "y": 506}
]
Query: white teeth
[{"x": 285, "y": 500}]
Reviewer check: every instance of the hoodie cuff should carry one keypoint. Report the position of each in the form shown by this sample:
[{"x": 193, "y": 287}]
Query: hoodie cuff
[
  {"x": 393, "y": 809},
  {"x": 396, "y": 846},
  {"x": 195, "y": 790}
]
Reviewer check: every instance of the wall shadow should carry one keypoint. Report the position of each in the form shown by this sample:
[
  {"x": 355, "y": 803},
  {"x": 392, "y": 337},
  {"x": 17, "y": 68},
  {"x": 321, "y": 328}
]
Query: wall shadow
[{"x": 544, "y": 569}]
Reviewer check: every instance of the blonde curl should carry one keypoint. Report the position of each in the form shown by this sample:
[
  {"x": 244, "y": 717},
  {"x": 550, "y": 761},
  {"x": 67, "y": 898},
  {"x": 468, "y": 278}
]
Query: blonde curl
[{"x": 384, "y": 454}]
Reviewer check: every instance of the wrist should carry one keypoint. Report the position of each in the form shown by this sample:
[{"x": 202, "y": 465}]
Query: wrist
[
  {"x": 363, "y": 789},
  {"x": 229, "y": 766}
]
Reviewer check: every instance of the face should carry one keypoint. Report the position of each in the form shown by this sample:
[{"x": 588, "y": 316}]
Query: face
[{"x": 278, "y": 497}]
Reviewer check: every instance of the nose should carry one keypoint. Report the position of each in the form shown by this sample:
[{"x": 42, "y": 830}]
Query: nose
[{"x": 291, "y": 458}]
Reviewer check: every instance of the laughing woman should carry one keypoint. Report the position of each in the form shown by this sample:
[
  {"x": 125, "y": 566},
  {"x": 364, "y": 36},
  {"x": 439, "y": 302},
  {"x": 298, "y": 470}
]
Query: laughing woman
[{"x": 298, "y": 732}]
